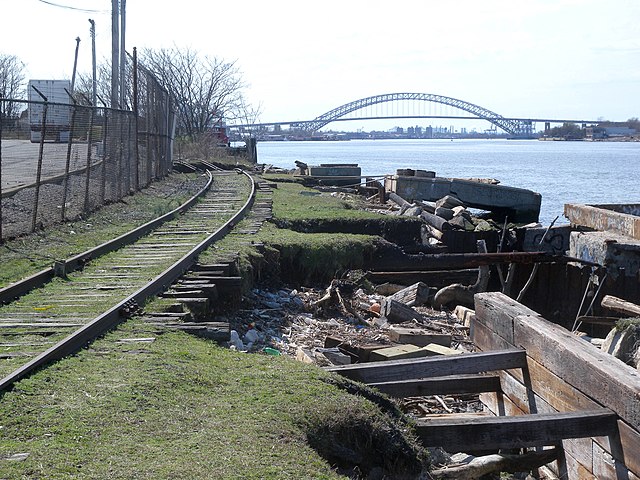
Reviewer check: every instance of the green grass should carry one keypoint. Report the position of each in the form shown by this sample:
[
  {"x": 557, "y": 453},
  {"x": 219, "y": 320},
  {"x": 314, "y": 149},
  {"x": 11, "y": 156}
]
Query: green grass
[
  {"x": 27, "y": 255},
  {"x": 311, "y": 237},
  {"x": 293, "y": 202},
  {"x": 183, "y": 408}
]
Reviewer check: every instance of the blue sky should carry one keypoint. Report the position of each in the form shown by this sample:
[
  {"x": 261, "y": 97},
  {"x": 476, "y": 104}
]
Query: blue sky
[{"x": 536, "y": 58}]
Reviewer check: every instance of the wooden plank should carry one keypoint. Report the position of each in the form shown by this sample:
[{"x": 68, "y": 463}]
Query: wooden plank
[
  {"x": 413, "y": 295},
  {"x": 497, "y": 311},
  {"x": 435, "y": 278},
  {"x": 553, "y": 394},
  {"x": 485, "y": 338},
  {"x": 513, "y": 402},
  {"x": 625, "y": 447},
  {"x": 514, "y": 432},
  {"x": 418, "y": 337},
  {"x": 433, "y": 366},
  {"x": 573, "y": 359},
  {"x": 440, "y": 386},
  {"x": 619, "y": 305},
  {"x": 600, "y": 376},
  {"x": 573, "y": 469},
  {"x": 605, "y": 467},
  {"x": 595, "y": 373},
  {"x": 593, "y": 320},
  {"x": 399, "y": 351},
  {"x": 457, "y": 261}
]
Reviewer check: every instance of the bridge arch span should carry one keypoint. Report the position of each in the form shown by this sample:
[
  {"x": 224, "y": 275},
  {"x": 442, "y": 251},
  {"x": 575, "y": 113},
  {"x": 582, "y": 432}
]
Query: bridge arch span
[{"x": 513, "y": 127}]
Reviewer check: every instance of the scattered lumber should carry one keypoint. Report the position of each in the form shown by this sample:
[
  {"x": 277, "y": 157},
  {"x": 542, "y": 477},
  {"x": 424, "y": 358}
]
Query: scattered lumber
[
  {"x": 418, "y": 337},
  {"x": 408, "y": 369},
  {"x": 398, "y": 200},
  {"x": 536, "y": 430},
  {"x": 596, "y": 320},
  {"x": 448, "y": 385},
  {"x": 412, "y": 296},
  {"x": 476, "y": 467},
  {"x": 436, "y": 222},
  {"x": 619, "y": 305},
  {"x": 436, "y": 278},
  {"x": 397, "y": 312},
  {"x": 456, "y": 261}
]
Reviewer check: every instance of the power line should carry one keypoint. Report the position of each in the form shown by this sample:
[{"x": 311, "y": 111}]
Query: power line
[{"x": 68, "y": 7}]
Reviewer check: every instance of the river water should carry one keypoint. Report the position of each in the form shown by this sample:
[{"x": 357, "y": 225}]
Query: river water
[{"x": 562, "y": 172}]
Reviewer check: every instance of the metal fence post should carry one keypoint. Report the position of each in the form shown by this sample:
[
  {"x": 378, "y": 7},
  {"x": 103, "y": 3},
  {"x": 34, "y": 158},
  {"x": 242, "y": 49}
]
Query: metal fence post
[
  {"x": 135, "y": 113},
  {"x": 106, "y": 131},
  {"x": 43, "y": 132},
  {"x": 119, "y": 161},
  {"x": 65, "y": 180},
  {"x": 1, "y": 122},
  {"x": 92, "y": 111}
]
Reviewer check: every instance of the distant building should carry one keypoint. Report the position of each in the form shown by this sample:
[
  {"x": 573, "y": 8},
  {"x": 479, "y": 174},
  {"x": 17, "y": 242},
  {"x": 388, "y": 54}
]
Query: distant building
[{"x": 612, "y": 131}]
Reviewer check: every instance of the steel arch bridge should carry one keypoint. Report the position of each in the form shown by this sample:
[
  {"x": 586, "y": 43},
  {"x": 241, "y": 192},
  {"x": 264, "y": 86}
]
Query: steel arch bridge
[{"x": 511, "y": 126}]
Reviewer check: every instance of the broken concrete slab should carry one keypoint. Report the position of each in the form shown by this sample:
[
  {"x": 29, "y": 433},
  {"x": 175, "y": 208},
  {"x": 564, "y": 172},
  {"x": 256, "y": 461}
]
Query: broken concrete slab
[
  {"x": 610, "y": 249},
  {"x": 620, "y": 218},
  {"x": 519, "y": 204}
]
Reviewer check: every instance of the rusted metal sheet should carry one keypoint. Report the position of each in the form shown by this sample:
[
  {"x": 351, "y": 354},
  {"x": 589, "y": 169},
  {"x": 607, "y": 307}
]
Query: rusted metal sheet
[{"x": 619, "y": 218}]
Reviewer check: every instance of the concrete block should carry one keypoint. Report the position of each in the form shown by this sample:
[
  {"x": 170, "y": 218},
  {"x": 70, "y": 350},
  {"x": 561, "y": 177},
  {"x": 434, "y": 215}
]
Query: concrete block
[
  {"x": 418, "y": 337},
  {"x": 612, "y": 250},
  {"x": 556, "y": 241}
]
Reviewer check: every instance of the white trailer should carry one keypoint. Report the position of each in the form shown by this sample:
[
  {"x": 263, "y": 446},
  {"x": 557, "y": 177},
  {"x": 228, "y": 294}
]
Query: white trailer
[{"x": 58, "y": 120}]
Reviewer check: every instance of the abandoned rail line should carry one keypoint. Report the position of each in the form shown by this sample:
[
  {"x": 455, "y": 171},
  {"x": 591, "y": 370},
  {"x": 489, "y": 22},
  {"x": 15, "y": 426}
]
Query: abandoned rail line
[{"x": 61, "y": 309}]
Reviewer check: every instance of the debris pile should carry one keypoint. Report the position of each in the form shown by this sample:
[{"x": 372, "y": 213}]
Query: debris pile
[
  {"x": 446, "y": 214},
  {"x": 343, "y": 324}
]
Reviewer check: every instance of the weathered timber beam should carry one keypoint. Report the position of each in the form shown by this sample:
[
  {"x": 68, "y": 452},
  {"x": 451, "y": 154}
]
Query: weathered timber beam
[
  {"x": 466, "y": 363},
  {"x": 597, "y": 320},
  {"x": 434, "y": 278},
  {"x": 619, "y": 305},
  {"x": 595, "y": 373},
  {"x": 440, "y": 386},
  {"x": 443, "y": 261},
  {"x": 398, "y": 200},
  {"x": 488, "y": 433}
]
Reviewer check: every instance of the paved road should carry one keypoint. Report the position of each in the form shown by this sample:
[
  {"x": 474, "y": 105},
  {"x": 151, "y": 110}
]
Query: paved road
[{"x": 20, "y": 161}]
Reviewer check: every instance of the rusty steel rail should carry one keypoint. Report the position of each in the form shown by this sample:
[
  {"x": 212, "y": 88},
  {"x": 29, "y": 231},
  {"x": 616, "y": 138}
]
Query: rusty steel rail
[
  {"x": 37, "y": 280},
  {"x": 120, "y": 311}
]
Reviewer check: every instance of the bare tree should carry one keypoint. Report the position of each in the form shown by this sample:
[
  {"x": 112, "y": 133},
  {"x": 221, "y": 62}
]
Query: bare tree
[
  {"x": 207, "y": 91},
  {"x": 84, "y": 85},
  {"x": 11, "y": 86}
]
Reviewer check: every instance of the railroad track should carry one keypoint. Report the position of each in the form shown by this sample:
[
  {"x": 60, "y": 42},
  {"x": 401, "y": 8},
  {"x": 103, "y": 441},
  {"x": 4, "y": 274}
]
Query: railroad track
[{"x": 83, "y": 297}]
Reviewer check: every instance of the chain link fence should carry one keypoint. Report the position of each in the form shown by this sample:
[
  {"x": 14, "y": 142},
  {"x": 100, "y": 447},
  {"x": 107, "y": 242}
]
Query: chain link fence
[{"x": 59, "y": 161}]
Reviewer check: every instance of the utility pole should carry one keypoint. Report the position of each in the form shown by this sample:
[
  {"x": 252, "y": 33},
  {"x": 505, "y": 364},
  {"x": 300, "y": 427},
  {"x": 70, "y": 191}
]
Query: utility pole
[
  {"x": 123, "y": 58},
  {"x": 115, "y": 53},
  {"x": 75, "y": 65},
  {"x": 94, "y": 84}
]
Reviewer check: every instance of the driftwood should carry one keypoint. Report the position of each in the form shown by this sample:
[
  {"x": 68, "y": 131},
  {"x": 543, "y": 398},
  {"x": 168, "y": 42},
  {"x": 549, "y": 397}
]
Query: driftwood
[
  {"x": 435, "y": 221},
  {"x": 480, "y": 466},
  {"x": 463, "y": 294},
  {"x": 618, "y": 305},
  {"x": 397, "y": 199},
  {"x": 333, "y": 297},
  {"x": 412, "y": 296},
  {"x": 396, "y": 312}
]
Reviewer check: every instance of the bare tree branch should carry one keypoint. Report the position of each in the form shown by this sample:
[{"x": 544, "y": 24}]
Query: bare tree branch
[
  {"x": 11, "y": 85},
  {"x": 207, "y": 91}
]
